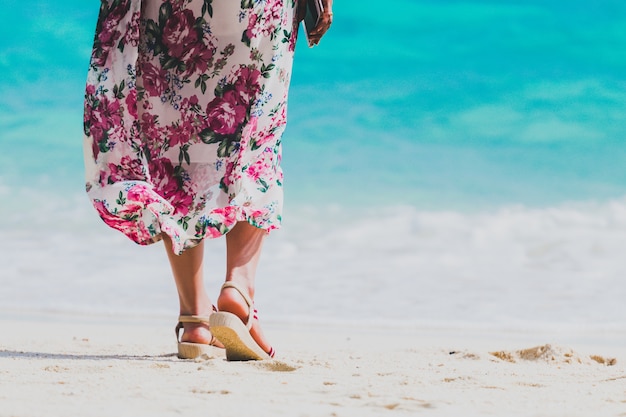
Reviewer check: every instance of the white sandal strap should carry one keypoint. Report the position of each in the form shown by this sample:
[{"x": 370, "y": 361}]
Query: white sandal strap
[{"x": 246, "y": 297}]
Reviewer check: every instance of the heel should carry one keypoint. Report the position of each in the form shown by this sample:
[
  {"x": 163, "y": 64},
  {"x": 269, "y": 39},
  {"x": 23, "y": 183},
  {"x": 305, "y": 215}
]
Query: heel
[
  {"x": 189, "y": 350},
  {"x": 235, "y": 335}
]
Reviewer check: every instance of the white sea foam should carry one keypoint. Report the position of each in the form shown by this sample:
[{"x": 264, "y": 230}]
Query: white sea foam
[{"x": 508, "y": 267}]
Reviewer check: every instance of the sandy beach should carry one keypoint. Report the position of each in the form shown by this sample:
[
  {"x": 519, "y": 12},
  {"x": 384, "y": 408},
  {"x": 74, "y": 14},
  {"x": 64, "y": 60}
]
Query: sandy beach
[
  {"x": 454, "y": 224},
  {"x": 56, "y": 365}
]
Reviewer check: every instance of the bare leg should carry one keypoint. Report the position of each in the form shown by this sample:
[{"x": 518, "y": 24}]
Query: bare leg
[
  {"x": 187, "y": 271},
  {"x": 243, "y": 250}
]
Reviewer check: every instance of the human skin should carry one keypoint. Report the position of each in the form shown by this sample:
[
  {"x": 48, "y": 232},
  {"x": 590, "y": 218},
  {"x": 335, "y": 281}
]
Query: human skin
[
  {"x": 324, "y": 23},
  {"x": 243, "y": 250}
]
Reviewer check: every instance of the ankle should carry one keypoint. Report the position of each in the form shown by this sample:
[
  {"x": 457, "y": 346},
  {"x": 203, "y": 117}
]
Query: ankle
[
  {"x": 202, "y": 309},
  {"x": 196, "y": 333}
]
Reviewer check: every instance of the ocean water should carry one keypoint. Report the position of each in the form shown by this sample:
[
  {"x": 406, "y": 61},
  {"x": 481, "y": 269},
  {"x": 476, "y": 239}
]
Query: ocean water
[{"x": 446, "y": 162}]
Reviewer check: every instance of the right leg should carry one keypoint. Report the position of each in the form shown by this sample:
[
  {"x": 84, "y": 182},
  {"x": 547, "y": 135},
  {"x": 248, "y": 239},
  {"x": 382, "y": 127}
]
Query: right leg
[{"x": 243, "y": 250}]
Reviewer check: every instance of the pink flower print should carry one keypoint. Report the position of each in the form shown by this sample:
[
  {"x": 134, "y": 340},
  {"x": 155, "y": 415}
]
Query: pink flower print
[
  {"x": 128, "y": 170},
  {"x": 131, "y": 103},
  {"x": 167, "y": 185},
  {"x": 248, "y": 131},
  {"x": 212, "y": 232},
  {"x": 254, "y": 27},
  {"x": 180, "y": 133},
  {"x": 260, "y": 169},
  {"x": 225, "y": 114},
  {"x": 247, "y": 84},
  {"x": 227, "y": 214},
  {"x": 179, "y": 33},
  {"x": 107, "y": 114},
  {"x": 198, "y": 57},
  {"x": 263, "y": 138},
  {"x": 255, "y": 214},
  {"x": 111, "y": 220},
  {"x": 134, "y": 229},
  {"x": 140, "y": 194},
  {"x": 149, "y": 125},
  {"x": 100, "y": 120},
  {"x": 227, "y": 180},
  {"x": 154, "y": 79},
  {"x": 108, "y": 33},
  {"x": 272, "y": 14},
  {"x": 131, "y": 37}
]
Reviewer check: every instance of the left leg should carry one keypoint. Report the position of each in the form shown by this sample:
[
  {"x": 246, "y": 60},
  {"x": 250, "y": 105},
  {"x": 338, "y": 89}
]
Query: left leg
[{"x": 192, "y": 295}]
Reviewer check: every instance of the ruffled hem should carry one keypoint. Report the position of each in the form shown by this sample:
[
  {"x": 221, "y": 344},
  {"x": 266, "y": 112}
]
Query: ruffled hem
[{"x": 143, "y": 215}]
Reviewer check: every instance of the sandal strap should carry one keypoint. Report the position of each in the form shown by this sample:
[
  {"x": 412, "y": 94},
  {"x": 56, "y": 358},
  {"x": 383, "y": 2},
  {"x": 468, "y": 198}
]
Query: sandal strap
[
  {"x": 246, "y": 297},
  {"x": 192, "y": 319}
]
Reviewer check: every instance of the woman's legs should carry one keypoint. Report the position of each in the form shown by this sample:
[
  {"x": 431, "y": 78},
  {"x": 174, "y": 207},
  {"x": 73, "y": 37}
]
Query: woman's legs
[
  {"x": 243, "y": 250},
  {"x": 187, "y": 271}
]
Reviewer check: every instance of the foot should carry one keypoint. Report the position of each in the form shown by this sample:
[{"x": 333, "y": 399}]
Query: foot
[
  {"x": 231, "y": 301},
  {"x": 199, "y": 333}
]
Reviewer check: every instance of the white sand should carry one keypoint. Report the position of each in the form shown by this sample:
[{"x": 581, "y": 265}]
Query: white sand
[{"x": 60, "y": 366}]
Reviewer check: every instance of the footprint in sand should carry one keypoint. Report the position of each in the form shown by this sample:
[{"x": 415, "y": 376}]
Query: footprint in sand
[{"x": 551, "y": 354}]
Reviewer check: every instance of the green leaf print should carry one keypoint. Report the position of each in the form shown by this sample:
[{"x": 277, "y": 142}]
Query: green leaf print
[
  {"x": 165, "y": 11},
  {"x": 222, "y": 150},
  {"x": 201, "y": 82},
  {"x": 221, "y": 227},
  {"x": 265, "y": 70},
  {"x": 264, "y": 186},
  {"x": 207, "y": 8},
  {"x": 219, "y": 91},
  {"x": 118, "y": 91},
  {"x": 208, "y": 136},
  {"x": 130, "y": 217},
  {"x": 169, "y": 62},
  {"x": 153, "y": 37},
  {"x": 184, "y": 154},
  {"x": 223, "y": 185},
  {"x": 245, "y": 39},
  {"x": 103, "y": 145},
  {"x": 286, "y": 36},
  {"x": 200, "y": 229},
  {"x": 120, "y": 199},
  {"x": 228, "y": 145},
  {"x": 247, "y": 4},
  {"x": 184, "y": 222}
]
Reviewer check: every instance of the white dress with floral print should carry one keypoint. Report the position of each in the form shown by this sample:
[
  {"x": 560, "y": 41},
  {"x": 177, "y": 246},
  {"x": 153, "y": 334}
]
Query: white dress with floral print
[{"x": 185, "y": 106}]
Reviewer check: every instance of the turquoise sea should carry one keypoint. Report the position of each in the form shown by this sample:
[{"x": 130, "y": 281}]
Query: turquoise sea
[{"x": 471, "y": 150}]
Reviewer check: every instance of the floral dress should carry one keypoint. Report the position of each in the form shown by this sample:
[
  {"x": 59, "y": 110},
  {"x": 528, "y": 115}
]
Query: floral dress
[{"x": 185, "y": 106}]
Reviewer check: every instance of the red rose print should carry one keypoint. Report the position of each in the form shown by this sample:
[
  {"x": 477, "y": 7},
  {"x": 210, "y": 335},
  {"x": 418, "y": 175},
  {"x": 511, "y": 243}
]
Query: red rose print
[
  {"x": 154, "y": 79},
  {"x": 226, "y": 113},
  {"x": 179, "y": 33}
]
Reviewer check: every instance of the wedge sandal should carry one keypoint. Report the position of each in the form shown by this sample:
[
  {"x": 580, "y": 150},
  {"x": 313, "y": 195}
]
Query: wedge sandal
[
  {"x": 235, "y": 334},
  {"x": 189, "y": 350}
]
